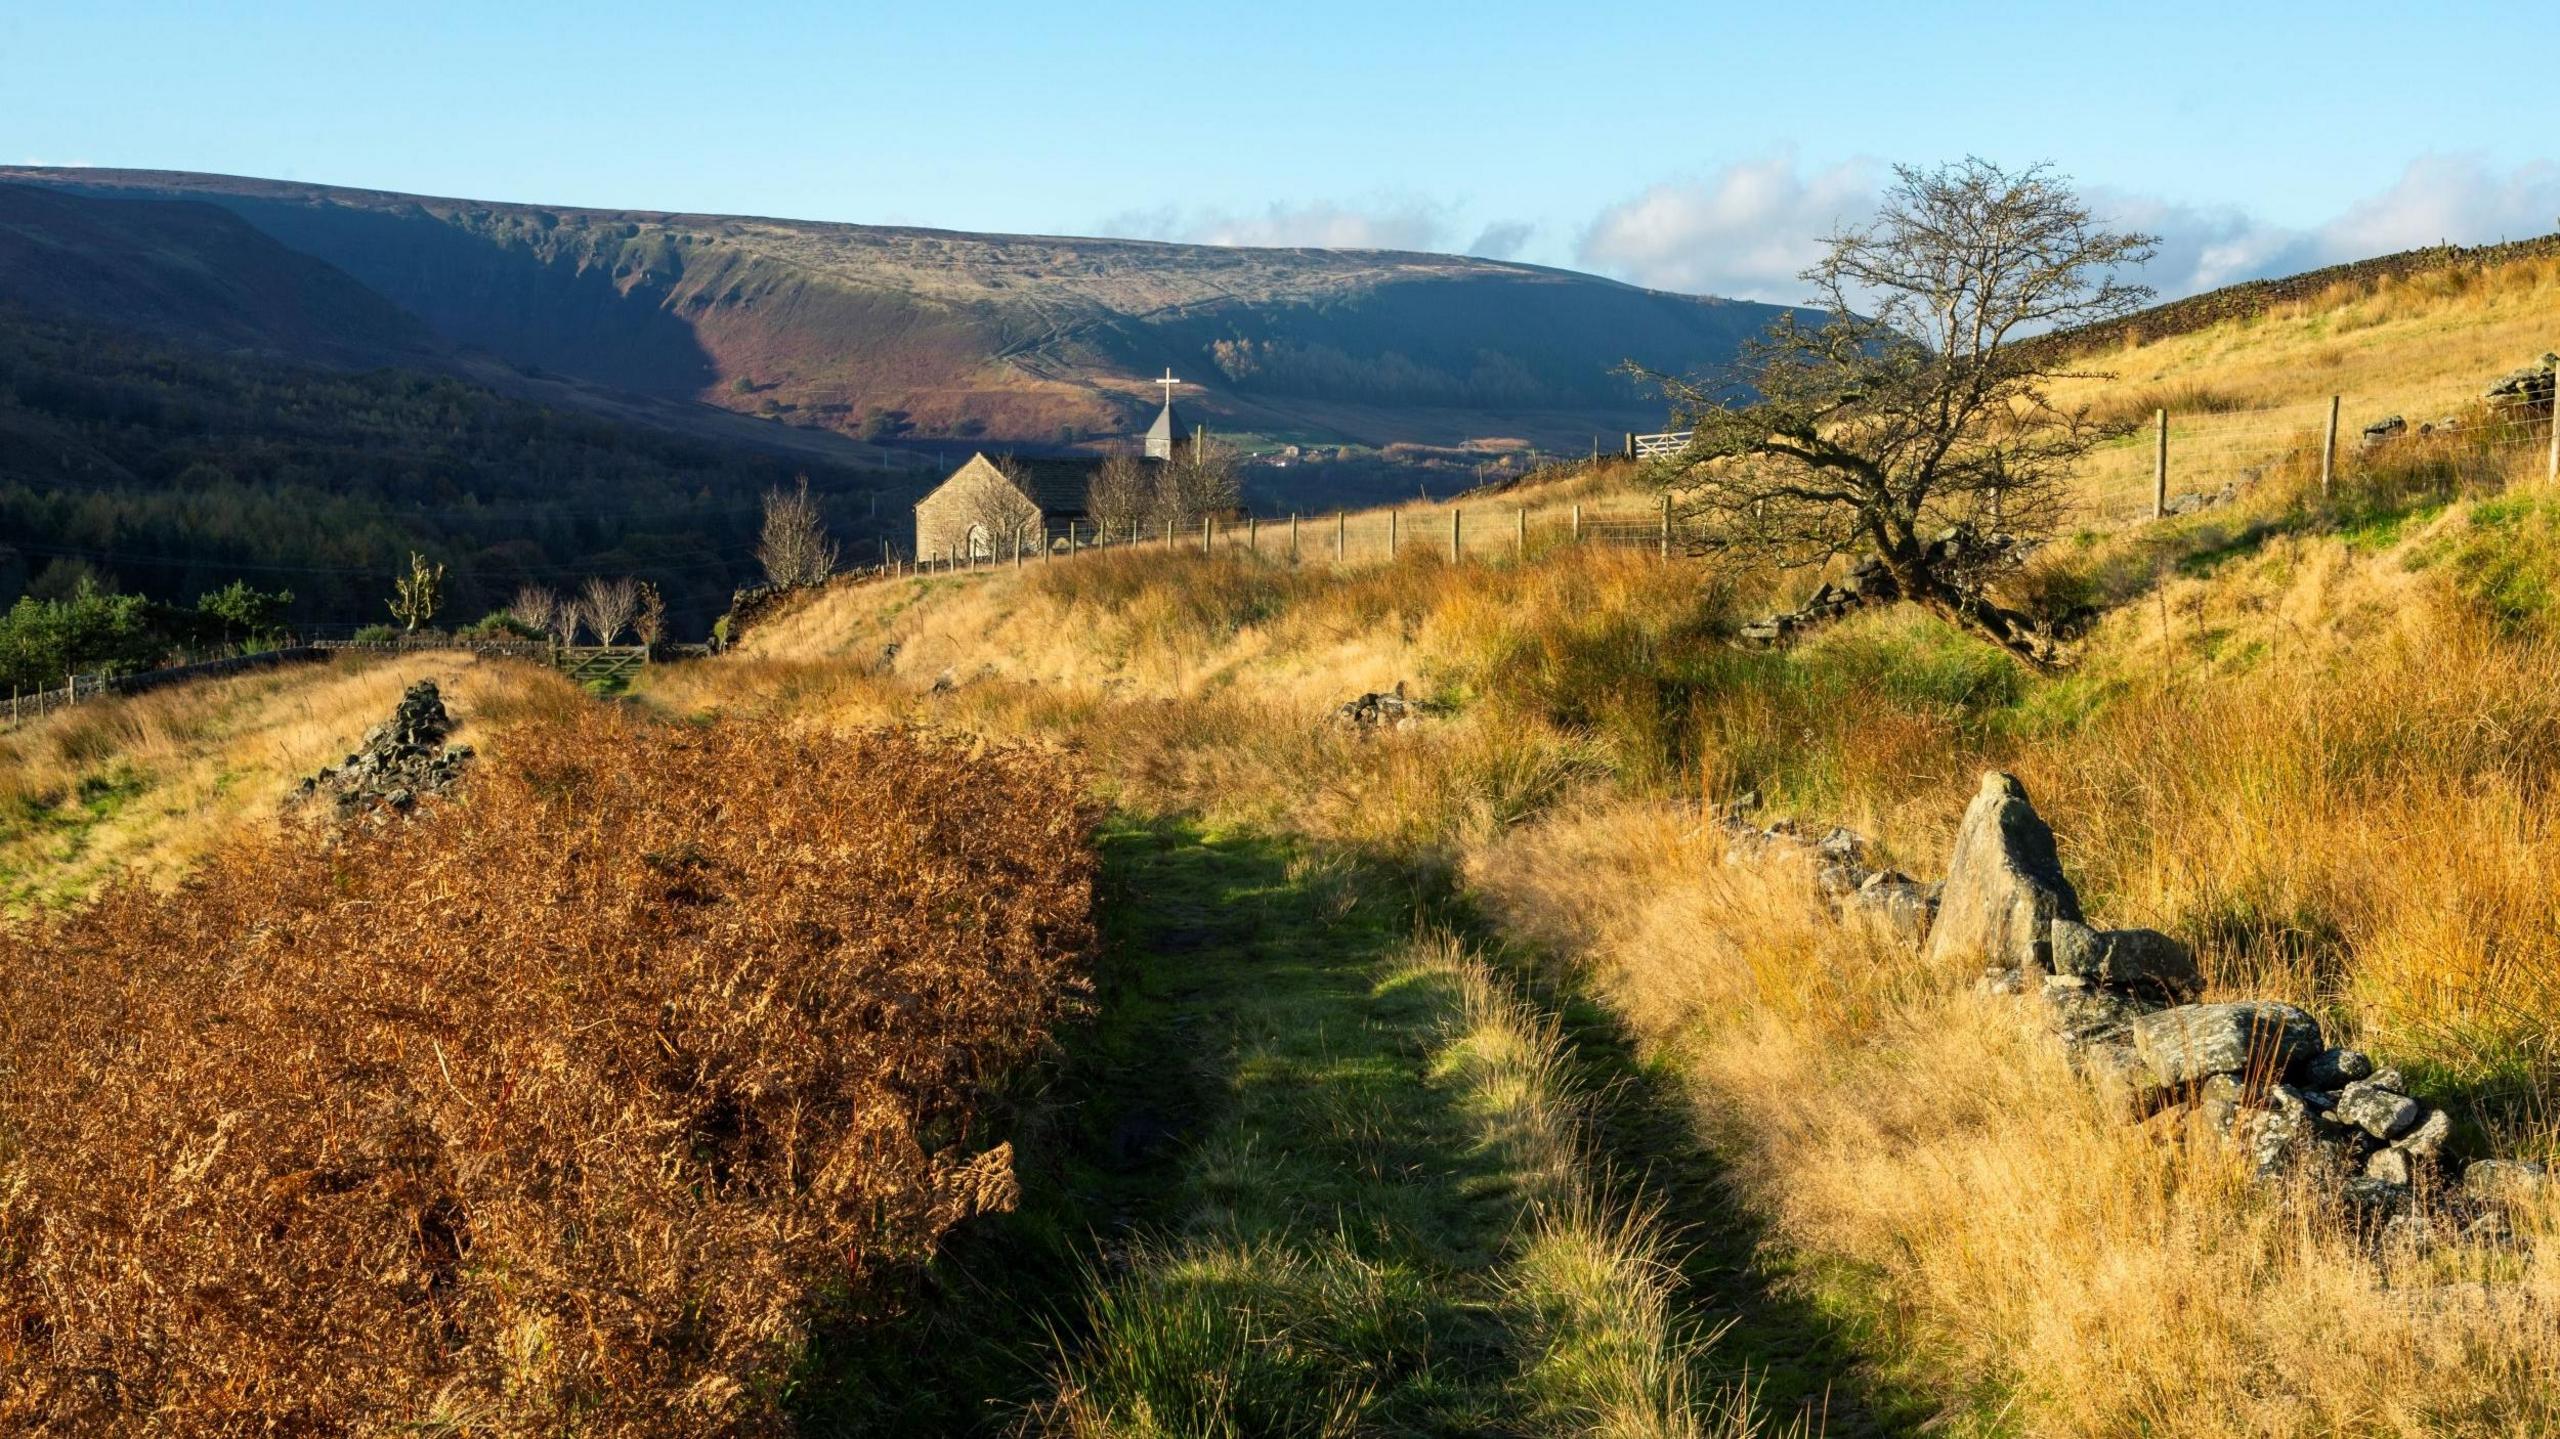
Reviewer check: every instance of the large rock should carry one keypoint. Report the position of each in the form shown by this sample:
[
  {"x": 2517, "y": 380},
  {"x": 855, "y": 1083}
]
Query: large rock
[
  {"x": 2138, "y": 959},
  {"x": 2337, "y": 1068},
  {"x": 2193, "y": 1042},
  {"x": 2004, "y": 887}
]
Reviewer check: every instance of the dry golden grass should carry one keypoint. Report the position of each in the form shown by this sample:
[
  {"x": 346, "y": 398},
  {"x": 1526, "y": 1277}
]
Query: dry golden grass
[
  {"x": 149, "y": 785},
  {"x": 2243, "y": 393},
  {"x": 560, "y": 1107},
  {"x": 2028, "y": 1253}
]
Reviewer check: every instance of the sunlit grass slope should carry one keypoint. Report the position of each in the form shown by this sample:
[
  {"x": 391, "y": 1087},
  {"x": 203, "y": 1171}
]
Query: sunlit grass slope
[{"x": 151, "y": 784}]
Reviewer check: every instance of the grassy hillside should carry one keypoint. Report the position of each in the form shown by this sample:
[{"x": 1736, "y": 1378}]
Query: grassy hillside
[
  {"x": 1450, "y": 1079},
  {"x": 191, "y": 273},
  {"x": 2244, "y": 392},
  {"x": 943, "y": 334}
]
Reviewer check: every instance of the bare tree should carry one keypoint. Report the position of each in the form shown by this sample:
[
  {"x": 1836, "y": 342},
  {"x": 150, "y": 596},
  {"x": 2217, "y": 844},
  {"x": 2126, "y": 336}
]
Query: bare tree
[
  {"x": 1005, "y": 513},
  {"x": 1911, "y": 422},
  {"x": 650, "y": 622},
  {"x": 795, "y": 548},
  {"x": 1200, "y": 480},
  {"x": 533, "y": 607},
  {"x": 1122, "y": 496},
  {"x": 609, "y": 606},
  {"x": 566, "y": 618}
]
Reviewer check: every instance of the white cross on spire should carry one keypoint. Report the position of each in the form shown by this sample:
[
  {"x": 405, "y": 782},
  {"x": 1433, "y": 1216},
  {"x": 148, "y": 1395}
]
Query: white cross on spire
[{"x": 1168, "y": 382}]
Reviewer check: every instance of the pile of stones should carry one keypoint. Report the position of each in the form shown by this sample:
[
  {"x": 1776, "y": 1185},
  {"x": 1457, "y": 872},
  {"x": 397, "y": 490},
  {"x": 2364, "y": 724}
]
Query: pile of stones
[
  {"x": 1868, "y": 582},
  {"x": 1379, "y": 710},
  {"x": 1965, "y": 557},
  {"x": 2518, "y": 394},
  {"x": 399, "y": 761},
  {"x": 2529, "y": 387},
  {"x": 1894, "y": 902},
  {"x": 2198, "y": 501},
  {"x": 2123, "y": 1003}
]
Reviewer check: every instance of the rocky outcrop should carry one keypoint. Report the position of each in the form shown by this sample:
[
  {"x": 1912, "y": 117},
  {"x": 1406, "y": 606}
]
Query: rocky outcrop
[
  {"x": 2196, "y": 502},
  {"x": 1885, "y": 899},
  {"x": 1960, "y": 556},
  {"x": 1868, "y": 582},
  {"x": 400, "y": 760}
]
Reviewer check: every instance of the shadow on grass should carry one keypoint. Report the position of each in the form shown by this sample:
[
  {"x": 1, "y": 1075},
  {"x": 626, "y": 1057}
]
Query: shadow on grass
[
  {"x": 1798, "y": 1357},
  {"x": 1248, "y": 1085}
]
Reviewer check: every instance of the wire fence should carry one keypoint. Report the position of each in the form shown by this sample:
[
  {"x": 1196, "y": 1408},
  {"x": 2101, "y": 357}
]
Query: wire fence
[
  {"x": 1484, "y": 529},
  {"x": 2186, "y": 456}
]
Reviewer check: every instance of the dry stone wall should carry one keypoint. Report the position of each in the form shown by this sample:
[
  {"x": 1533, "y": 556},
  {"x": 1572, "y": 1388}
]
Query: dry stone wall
[{"x": 2125, "y": 1005}]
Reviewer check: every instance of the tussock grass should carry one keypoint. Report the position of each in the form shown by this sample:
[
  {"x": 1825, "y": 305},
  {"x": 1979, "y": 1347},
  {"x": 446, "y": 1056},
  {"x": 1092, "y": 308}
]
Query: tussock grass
[
  {"x": 2030, "y": 1257},
  {"x": 560, "y": 1107}
]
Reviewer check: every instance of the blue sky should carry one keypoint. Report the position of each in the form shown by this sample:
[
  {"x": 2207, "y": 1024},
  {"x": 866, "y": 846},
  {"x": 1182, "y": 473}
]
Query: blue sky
[{"x": 1694, "y": 147}]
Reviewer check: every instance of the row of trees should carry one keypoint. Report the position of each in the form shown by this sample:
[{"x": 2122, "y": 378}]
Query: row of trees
[
  {"x": 46, "y": 639},
  {"x": 1129, "y": 494},
  {"x": 605, "y": 608}
]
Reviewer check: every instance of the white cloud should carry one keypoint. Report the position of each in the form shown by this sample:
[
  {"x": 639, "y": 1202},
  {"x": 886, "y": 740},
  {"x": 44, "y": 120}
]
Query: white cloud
[
  {"x": 1748, "y": 229},
  {"x": 1501, "y": 240},
  {"x": 2447, "y": 197},
  {"x": 1745, "y": 231}
]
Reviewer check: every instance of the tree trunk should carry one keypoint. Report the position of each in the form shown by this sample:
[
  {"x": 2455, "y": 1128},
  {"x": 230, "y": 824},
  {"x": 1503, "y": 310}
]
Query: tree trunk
[{"x": 1978, "y": 612}]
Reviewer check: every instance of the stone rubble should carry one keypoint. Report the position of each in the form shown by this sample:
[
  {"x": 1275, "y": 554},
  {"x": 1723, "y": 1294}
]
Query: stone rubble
[
  {"x": 2520, "y": 394},
  {"x": 2123, "y": 1003},
  {"x": 1380, "y": 710},
  {"x": 399, "y": 761}
]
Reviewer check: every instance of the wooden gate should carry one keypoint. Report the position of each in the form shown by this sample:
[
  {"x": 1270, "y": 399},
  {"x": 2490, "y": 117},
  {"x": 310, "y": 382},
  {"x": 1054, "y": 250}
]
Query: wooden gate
[{"x": 603, "y": 664}]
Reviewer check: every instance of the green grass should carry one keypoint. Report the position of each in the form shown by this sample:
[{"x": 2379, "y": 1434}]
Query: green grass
[
  {"x": 1310, "y": 1171},
  {"x": 1325, "y": 1263},
  {"x": 55, "y": 830}
]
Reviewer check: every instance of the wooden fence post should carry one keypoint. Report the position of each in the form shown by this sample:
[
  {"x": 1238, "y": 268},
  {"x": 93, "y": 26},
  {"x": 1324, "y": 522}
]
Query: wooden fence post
[
  {"x": 1205, "y": 522},
  {"x": 1666, "y": 526},
  {"x": 2160, "y": 466},
  {"x": 1168, "y": 536},
  {"x": 1457, "y": 544},
  {"x": 1253, "y": 534},
  {"x": 2329, "y": 448},
  {"x": 1577, "y": 524},
  {"x": 1391, "y": 534},
  {"x": 1341, "y": 537},
  {"x": 2551, "y": 462},
  {"x": 1293, "y": 537},
  {"x": 1017, "y": 549},
  {"x": 1520, "y": 544}
]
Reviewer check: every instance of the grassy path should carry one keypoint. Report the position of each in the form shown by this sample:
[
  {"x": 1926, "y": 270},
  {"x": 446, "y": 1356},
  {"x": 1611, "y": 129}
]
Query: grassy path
[{"x": 1315, "y": 1169}]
